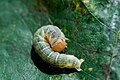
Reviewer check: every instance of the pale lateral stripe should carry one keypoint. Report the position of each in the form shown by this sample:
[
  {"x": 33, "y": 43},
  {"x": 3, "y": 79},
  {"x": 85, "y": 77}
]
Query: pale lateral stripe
[
  {"x": 56, "y": 57},
  {"x": 45, "y": 48},
  {"x": 50, "y": 54},
  {"x": 41, "y": 42},
  {"x": 40, "y": 37}
]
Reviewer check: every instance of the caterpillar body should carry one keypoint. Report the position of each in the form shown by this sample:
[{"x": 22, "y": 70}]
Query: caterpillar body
[{"x": 47, "y": 37}]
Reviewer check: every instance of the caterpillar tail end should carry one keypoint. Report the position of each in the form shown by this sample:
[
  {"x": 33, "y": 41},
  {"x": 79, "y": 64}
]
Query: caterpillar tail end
[{"x": 78, "y": 68}]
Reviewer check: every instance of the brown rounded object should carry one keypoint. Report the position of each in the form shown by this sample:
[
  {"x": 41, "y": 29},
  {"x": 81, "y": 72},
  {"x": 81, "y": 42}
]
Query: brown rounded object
[{"x": 60, "y": 46}]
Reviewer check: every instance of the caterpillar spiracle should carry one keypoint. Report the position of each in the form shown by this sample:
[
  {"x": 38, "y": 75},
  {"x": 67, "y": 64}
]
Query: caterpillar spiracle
[{"x": 45, "y": 38}]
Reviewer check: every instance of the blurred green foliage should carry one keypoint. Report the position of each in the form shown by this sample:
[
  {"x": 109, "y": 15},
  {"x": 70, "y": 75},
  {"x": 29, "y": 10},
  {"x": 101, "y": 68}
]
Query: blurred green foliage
[{"x": 92, "y": 27}]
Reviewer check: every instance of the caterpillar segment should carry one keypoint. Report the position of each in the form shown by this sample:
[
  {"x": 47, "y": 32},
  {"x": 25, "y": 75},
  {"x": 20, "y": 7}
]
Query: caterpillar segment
[{"x": 45, "y": 39}]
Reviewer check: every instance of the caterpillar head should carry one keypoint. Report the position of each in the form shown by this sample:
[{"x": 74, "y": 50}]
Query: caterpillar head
[
  {"x": 60, "y": 46},
  {"x": 56, "y": 39}
]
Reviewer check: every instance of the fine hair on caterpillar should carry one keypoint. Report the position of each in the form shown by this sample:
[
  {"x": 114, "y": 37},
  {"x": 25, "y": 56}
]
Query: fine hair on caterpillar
[{"x": 48, "y": 41}]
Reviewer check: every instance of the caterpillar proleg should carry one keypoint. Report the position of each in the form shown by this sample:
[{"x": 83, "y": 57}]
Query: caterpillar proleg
[{"x": 43, "y": 41}]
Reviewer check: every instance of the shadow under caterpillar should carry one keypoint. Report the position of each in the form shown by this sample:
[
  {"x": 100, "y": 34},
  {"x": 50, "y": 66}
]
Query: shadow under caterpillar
[{"x": 44, "y": 40}]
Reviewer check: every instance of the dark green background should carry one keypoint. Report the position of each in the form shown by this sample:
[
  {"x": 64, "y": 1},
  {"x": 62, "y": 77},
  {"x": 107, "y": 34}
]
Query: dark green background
[{"x": 92, "y": 27}]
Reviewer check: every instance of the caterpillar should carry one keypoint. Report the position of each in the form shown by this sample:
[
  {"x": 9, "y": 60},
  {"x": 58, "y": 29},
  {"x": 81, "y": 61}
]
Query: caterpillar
[{"x": 44, "y": 40}]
